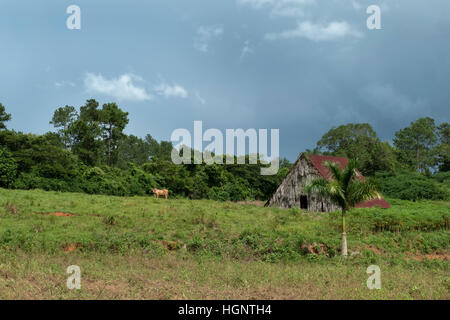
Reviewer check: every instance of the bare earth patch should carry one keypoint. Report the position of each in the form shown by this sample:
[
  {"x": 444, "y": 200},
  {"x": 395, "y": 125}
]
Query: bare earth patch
[
  {"x": 56, "y": 214},
  {"x": 432, "y": 256},
  {"x": 71, "y": 247}
]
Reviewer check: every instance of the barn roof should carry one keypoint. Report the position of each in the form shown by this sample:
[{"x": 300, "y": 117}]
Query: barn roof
[
  {"x": 318, "y": 162},
  {"x": 374, "y": 203}
]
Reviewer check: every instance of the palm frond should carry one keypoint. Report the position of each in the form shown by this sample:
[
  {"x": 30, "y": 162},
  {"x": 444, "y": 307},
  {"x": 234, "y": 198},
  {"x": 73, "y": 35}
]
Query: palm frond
[
  {"x": 348, "y": 174},
  {"x": 334, "y": 169},
  {"x": 336, "y": 189},
  {"x": 337, "y": 194},
  {"x": 319, "y": 185},
  {"x": 331, "y": 189},
  {"x": 361, "y": 190}
]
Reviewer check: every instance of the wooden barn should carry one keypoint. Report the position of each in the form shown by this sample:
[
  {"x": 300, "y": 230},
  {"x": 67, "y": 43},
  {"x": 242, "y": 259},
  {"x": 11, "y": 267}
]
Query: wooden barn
[{"x": 291, "y": 192}]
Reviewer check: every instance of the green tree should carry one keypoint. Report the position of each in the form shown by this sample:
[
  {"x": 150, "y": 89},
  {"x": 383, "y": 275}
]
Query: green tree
[
  {"x": 160, "y": 150},
  {"x": 8, "y": 167},
  {"x": 345, "y": 188},
  {"x": 62, "y": 118},
  {"x": 416, "y": 144},
  {"x": 443, "y": 149},
  {"x": 285, "y": 163},
  {"x": 4, "y": 117},
  {"x": 86, "y": 133},
  {"x": 132, "y": 149},
  {"x": 358, "y": 141},
  {"x": 153, "y": 145},
  {"x": 345, "y": 137},
  {"x": 113, "y": 121}
]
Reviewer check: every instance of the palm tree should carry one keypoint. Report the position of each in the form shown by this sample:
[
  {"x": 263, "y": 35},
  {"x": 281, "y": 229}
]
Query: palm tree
[{"x": 345, "y": 188}]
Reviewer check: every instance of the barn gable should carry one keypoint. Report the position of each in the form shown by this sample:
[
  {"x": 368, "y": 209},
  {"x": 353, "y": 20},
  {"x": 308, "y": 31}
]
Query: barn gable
[{"x": 291, "y": 192}]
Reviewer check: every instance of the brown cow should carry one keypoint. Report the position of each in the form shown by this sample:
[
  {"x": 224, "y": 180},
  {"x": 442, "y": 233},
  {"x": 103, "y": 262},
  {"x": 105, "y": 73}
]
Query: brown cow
[{"x": 158, "y": 193}]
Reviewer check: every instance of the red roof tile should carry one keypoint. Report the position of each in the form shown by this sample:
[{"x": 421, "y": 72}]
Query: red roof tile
[
  {"x": 374, "y": 203},
  {"x": 318, "y": 162}
]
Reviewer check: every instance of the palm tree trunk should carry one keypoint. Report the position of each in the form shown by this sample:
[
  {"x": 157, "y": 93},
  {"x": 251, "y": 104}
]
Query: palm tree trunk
[
  {"x": 344, "y": 235},
  {"x": 109, "y": 145}
]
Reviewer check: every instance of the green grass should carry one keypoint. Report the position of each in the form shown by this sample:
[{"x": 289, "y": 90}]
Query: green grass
[{"x": 141, "y": 247}]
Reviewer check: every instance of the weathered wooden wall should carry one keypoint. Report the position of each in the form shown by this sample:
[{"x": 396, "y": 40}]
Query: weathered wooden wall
[{"x": 293, "y": 187}]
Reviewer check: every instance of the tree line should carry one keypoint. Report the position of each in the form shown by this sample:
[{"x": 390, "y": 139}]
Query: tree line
[
  {"x": 89, "y": 152},
  {"x": 416, "y": 165}
]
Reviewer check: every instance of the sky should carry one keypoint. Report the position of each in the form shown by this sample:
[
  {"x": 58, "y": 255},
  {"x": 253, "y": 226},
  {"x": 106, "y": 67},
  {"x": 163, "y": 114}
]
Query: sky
[{"x": 300, "y": 66}]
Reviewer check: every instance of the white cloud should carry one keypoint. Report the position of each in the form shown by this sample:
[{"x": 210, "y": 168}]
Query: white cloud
[
  {"x": 64, "y": 83},
  {"x": 317, "y": 32},
  {"x": 246, "y": 50},
  {"x": 204, "y": 35},
  {"x": 121, "y": 88},
  {"x": 171, "y": 91}
]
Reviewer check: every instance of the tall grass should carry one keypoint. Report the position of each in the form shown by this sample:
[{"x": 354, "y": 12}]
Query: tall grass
[{"x": 225, "y": 230}]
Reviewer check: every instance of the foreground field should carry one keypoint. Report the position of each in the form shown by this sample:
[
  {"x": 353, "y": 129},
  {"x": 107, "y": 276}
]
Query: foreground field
[
  {"x": 145, "y": 248},
  {"x": 174, "y": 277}
]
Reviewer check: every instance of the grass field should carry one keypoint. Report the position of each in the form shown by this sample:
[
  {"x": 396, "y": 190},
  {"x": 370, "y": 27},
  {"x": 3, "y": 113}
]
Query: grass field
[{"x": 144, "y": 248}]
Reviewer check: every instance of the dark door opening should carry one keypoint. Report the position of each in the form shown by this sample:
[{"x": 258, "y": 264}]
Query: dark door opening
[{"x": 304, "y": 202}]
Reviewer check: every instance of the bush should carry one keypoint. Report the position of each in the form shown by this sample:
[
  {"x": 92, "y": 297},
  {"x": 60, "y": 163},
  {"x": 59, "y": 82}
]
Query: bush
[
  {"x": 410, "y": 186},
  {"x": 27, "y": 181},
  {"x": 443, "y": 177},
  {"x": 218, "y": 194},
  {"x": 409, "y": 217},
  {"x": 8, "y": 168}
]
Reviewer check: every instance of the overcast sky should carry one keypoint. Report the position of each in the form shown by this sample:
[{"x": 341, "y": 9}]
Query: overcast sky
[{"x": 301, "y": 66}]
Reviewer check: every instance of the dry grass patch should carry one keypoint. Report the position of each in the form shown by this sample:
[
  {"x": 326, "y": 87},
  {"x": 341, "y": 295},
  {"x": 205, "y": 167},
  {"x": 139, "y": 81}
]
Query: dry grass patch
[{"x": 178, "y": 277}]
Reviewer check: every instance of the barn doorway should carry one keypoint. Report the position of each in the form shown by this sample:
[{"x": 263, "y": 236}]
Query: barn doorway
[{"x": 304, "y": 202}]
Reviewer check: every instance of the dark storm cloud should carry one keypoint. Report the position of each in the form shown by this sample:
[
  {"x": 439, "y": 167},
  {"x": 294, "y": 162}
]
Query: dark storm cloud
[{"x": 302, "y": 66}]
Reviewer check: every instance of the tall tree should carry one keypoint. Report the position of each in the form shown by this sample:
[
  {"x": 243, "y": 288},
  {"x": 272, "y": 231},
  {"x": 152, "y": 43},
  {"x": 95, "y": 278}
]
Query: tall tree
[
  {"x": 113, "y": 121},
  {"x": 444, "y": 147},
  {"x": 346, "y": 189},
  {"x": 358, "y": 141},
  {"x": 132, "y": 149},
  {"x": 62, "y": 118},
  {"x": 86, "y": 133},
  {"x": 161, "y": 150},
  {"x": 4, "y": 117},
  {"x": 345, "y": 138},
  {"x": 416, "y": 144}
]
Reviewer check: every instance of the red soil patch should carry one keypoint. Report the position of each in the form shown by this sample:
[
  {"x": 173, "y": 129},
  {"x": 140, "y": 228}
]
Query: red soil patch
[
  {"x": 432, "y": 256},
  {"x": 56, "y": 214},
  {"x": 71, "y": 247},
  {"x": 61, "y": 214}
]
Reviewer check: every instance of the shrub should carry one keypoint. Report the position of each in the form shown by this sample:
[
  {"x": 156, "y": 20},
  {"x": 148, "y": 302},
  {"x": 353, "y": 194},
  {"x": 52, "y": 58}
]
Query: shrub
[
  {"x": 443, "y": 177},
  {"x": 218, "y": 194},
  {"x": 29, "y": 181},
  {"x": 8, "y": 168},
  {"x": 410, "y": 186}
]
